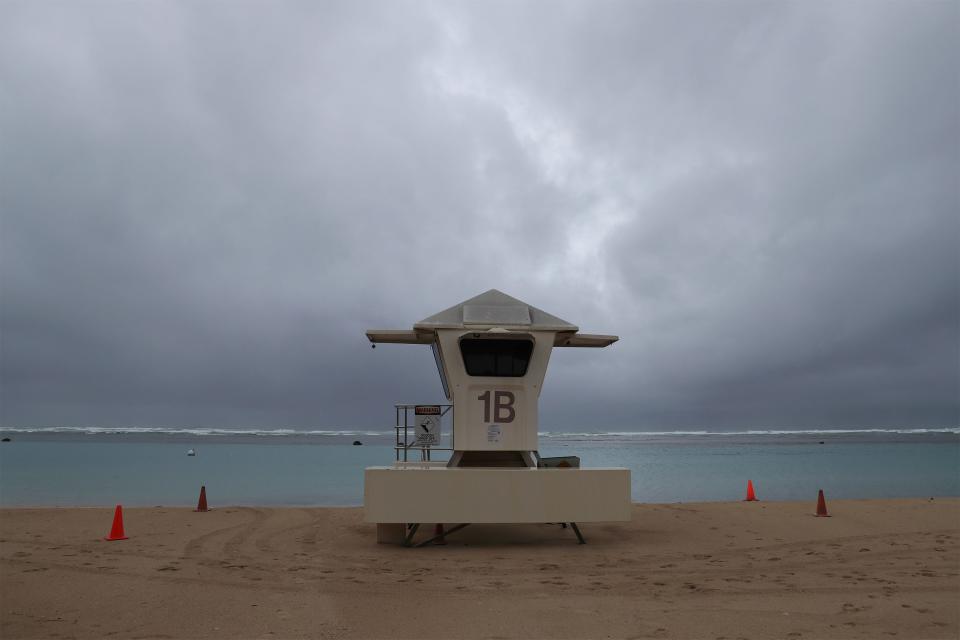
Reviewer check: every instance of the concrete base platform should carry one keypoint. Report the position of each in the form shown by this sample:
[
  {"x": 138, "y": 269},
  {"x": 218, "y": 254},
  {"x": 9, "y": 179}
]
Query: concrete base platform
[{"x": 431, "y": 494}]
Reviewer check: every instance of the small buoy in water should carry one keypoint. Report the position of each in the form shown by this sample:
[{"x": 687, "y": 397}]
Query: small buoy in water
[
  {"x": 5, "y": 440},
  {"x": 821, "y": 442},
  {"x": 357, "y": 443},
  {"x": 191, "y": 452}
]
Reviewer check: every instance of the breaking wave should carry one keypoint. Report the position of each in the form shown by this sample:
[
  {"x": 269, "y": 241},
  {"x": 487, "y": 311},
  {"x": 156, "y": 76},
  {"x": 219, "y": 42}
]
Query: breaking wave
[
  {"x": 215, "y": 432},
  {"x": 750, "y": 433},
  {"x": 195, "y": 431}
]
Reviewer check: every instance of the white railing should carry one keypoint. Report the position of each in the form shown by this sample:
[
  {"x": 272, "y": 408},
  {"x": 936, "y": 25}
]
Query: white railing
[{"x": 410, "y": 438}]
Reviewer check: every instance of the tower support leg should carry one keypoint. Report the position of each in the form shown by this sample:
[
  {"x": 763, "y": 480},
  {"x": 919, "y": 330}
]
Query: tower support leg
[{"x": 576, "y": 530}]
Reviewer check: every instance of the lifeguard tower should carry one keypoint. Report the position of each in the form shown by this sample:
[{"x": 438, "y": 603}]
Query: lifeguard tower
[{"x": 492, "y": 353}]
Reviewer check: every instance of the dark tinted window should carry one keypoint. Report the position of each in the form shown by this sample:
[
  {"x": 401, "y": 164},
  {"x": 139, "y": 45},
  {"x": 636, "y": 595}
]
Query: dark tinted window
[{"x": 498, "y": 358}]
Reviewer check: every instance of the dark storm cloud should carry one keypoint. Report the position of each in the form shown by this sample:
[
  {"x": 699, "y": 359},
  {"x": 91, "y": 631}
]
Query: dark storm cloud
[{"x": 205, "y": 204}]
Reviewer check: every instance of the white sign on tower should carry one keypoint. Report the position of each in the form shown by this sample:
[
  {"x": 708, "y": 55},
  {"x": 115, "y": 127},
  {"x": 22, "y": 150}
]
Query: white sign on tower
[{"x": 427, "y": 425}]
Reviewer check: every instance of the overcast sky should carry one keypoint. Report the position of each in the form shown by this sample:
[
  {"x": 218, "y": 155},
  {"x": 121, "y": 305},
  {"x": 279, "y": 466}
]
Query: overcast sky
[{"x": 204, "y": 205}]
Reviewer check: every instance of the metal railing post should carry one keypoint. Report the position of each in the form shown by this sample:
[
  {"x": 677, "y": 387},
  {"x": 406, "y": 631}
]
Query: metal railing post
[{"x": 404, "y": 443}]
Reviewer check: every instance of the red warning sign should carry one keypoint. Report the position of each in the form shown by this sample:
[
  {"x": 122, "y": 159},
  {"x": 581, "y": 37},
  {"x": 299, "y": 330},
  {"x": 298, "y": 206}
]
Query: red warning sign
[{"x": 426, "y": 410}]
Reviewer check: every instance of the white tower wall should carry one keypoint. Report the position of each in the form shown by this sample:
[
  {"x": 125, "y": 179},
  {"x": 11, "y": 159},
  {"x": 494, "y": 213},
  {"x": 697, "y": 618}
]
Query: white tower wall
[{"x": 495, "y": 413}]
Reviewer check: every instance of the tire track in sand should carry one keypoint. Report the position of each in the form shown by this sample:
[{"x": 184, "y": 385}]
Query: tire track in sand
[{"x": 198, "y": 548}]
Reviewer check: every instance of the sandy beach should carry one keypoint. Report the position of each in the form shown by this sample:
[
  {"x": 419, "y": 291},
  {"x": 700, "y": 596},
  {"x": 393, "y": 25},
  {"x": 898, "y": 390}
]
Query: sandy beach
[{"x": 875, "y": 569}]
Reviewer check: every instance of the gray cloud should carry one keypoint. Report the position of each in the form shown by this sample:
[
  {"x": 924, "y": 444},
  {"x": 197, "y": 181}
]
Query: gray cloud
[{"x": 203, "y": 205}]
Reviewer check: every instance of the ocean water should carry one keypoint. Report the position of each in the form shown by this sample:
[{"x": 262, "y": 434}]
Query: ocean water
[{"x": 145, "y": 467}]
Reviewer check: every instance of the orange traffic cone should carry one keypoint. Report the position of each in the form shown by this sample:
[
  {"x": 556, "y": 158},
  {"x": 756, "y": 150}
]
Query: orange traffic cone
[
  {"x": 822, "y": 506},
  {"x": 751, "y": 496},
  {"x": 116, "y": 531},
  {"x": 202, "y": 504},
  {"x": 438, "y": 531}
]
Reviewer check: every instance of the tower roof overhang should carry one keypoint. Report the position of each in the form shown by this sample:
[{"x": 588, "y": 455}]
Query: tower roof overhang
[{"x": 492, "y": 310}]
